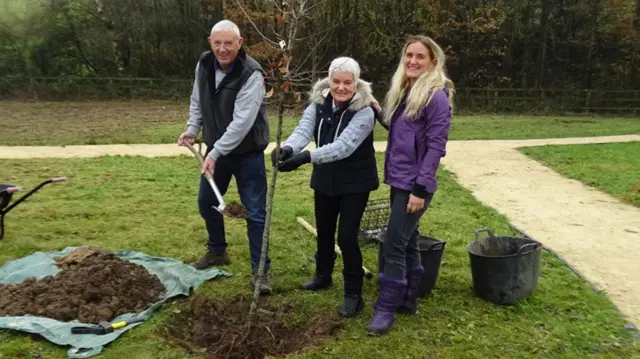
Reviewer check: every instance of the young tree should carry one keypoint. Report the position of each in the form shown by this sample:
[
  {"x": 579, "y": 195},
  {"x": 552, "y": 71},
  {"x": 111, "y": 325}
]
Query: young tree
[{"x": 278, "y": 43}]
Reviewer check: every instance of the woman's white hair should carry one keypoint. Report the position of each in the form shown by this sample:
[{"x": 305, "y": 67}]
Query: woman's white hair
[
  {"x": 345, "y": 64},
  {"x": 226, "y": 25}
]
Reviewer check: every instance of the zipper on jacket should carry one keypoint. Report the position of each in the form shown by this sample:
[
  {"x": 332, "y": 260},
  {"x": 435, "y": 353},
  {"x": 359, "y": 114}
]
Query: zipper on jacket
[{"x": 335, "y": 136}]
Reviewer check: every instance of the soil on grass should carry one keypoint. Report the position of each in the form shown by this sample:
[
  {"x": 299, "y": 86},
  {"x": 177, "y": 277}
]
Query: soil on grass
[
  {"x": 220, "y": 328},
  {"x": 93, "y": 286}
]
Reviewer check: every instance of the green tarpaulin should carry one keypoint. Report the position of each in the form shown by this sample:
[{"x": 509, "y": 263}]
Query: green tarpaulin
[{"x": 178, "y": 279}]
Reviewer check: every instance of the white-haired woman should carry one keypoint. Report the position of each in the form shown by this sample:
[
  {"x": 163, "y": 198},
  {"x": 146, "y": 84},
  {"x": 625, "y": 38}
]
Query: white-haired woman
[
  {"x": 417, "y": 111},
  {"x": 341, "y": 121}
]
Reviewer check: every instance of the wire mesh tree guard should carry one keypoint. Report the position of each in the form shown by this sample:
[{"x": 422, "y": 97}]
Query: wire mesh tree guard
[{"x": 374, "y": 220}]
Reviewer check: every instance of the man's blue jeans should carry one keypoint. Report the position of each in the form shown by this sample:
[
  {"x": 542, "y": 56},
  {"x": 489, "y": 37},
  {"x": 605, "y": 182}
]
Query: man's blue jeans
[{"x": 251, "y": 180}]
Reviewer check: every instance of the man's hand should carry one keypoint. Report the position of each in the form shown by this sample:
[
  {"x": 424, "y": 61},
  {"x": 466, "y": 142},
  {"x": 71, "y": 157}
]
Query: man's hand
[
  {"x": 186, "y": 137},
  {"x": 295, "y": 161},
  {"x": 209, "y": 166},
  {"x": 285, "y": 153},
  {"x": 415, "y": 205}
]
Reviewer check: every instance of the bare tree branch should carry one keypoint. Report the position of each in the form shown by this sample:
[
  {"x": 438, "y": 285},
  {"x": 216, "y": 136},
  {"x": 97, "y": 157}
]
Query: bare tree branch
[
  {"x": 268, "y": 40},
  {"x": 313, "y": 6}
]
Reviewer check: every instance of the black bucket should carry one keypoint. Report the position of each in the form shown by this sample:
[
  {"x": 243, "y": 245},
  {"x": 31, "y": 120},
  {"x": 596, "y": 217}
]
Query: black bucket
[
  {"x": 431, "y": 251},
  {"x": 505, "y": 270}
]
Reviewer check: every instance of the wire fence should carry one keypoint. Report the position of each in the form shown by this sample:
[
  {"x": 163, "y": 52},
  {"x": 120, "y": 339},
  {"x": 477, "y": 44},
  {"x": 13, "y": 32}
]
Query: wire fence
[
  {"x": 488, "y": 100},
  {"x": 551, "y": 100}
]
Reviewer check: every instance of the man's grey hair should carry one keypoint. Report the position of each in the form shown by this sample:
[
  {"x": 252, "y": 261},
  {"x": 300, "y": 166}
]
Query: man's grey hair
[{"x": 226, "y": 25}]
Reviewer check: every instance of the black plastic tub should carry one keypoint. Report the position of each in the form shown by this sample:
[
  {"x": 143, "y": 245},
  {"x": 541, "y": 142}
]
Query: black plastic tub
[
  {"x": 431, "y": 251},
  {"x": 504, "y": 269}
]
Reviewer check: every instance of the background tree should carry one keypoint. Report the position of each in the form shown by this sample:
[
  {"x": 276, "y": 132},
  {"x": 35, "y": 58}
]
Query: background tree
[{"x": 491, "y": 44}]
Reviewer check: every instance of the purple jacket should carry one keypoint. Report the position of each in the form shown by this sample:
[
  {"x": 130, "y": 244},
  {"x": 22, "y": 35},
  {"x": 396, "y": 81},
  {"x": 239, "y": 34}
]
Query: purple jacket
[{"x": 414, "y": 147}]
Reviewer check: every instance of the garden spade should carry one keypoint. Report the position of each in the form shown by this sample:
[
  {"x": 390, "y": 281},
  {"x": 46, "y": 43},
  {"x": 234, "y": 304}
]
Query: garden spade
[{"x": 233, "y": 209}]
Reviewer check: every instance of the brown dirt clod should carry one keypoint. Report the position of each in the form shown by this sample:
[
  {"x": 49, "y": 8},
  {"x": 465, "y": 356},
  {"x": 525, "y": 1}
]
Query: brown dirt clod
[
  {"x": 220, "y": 328},
  {"x": 93, "y": 286},
  {"x": 235, "y": 209}
]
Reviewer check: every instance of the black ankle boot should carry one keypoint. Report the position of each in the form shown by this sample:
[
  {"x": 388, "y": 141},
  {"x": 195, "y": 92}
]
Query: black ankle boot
[
  {"x": 318, "y": 282},
  {"x": 352, "y": 305}
]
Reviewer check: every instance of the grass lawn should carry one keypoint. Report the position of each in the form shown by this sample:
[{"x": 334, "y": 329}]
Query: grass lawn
[
  {"x": 613, "y": 168},
  {"x": 71, "y": 123},
  {"x": 150, "y": 205}
]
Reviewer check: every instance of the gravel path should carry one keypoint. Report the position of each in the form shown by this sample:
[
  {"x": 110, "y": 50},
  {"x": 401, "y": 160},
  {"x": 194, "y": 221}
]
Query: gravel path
[{"x": 597, "y": 234}]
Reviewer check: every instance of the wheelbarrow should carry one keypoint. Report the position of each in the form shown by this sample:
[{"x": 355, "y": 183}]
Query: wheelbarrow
[{"x": 7, "y": 191}]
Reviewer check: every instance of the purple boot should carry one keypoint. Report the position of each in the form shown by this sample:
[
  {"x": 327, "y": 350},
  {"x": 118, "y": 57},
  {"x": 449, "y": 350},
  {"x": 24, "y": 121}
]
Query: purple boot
[
  {"x": 390, "y": 295},
  {"x": 410, "y": 302}
]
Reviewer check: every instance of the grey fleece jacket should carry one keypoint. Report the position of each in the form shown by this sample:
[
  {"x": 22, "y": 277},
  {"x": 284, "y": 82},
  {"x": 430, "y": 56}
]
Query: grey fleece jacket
[
  {"x": 353, "y": 135},
  {"x": 247, "y": 105}
]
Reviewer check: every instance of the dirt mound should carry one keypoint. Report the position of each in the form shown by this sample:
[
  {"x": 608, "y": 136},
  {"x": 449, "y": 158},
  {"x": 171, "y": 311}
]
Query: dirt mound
[
  {"x": 221, "y": 328},
  {"x": 93, "y": 285},
  {"x": 79, "y": 255}
]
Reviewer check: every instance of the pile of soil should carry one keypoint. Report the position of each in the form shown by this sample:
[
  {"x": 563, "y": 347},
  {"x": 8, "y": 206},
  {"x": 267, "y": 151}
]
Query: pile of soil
[
  {"x": 93, "y": 286},
  {"x": 220, "y": 327}
]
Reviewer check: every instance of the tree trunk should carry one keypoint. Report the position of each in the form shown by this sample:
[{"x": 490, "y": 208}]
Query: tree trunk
[
  {"x": 527, "y": 43},
  {"x": 635, "y": 61},
  {"x": 542, "y": 49},
  {"x": 219, "y": 12},
  {"x": 267, "y": 222},
  {"x": 595, "y": 11},
  {"x": 636, "y": 22},
  {"x": 507, "y": 58}
]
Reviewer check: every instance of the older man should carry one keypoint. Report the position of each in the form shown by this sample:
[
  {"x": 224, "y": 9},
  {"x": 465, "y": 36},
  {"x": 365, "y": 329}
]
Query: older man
[{"x": 227, "y": 102}]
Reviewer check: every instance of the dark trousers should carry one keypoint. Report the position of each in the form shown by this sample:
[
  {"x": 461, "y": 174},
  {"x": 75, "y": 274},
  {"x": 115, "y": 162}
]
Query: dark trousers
[
  {"x": 350, "y": 208},
  {"x": 400, "y": 246},
  {"x": 251, "y": 179}
]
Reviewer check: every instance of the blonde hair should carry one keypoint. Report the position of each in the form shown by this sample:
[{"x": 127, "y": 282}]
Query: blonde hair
[{"x": 423, "y": 88}]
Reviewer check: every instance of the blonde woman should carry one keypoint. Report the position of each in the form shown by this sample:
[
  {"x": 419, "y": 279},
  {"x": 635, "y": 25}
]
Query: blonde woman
[{"x": 417, "y": 112}]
